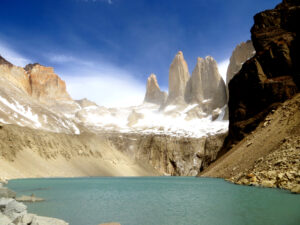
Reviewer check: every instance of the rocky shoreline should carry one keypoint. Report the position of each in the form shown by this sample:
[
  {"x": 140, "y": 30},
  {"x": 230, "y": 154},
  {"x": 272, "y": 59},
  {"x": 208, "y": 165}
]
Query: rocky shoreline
[{"x": 13, "y": 212}]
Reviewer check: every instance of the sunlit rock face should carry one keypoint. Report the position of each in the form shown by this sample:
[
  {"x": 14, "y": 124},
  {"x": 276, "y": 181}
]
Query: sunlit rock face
[
  {"x": 45, "y": 84},
  {"x": 178, "y": 78},
  {"x": 15, "y": 74},
  {"x": 206, "y": 84},
  {"x": 241, "y": 54},
  {"x": 153, "y": 92}
]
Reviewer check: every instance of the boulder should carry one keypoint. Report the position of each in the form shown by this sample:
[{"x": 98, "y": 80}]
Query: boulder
[{"x": 12, "y": 209}]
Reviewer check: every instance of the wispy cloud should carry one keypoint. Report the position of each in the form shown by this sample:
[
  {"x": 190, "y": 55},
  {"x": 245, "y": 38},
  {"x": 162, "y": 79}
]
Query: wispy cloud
[
  {"x": 106, "y": 84},
  {"x": 13, "y": 56},
  {"x": 222, "y": 66},
  {"x": 63, "y": 59}
]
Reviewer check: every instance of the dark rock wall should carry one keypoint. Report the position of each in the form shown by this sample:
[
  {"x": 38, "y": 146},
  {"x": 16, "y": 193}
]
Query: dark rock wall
[{"x": 272, "y": 75}]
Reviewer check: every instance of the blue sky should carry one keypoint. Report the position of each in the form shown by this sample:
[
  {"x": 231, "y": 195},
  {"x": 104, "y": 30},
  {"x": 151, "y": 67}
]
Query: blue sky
[{"x": 105, "y": 49}]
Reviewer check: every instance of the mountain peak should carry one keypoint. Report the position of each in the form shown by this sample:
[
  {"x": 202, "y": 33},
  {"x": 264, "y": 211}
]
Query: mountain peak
[{"x": 153, "y": 92}]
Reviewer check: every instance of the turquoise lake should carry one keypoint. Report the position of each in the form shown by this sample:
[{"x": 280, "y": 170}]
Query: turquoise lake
[{"x": 159, "y": 201}]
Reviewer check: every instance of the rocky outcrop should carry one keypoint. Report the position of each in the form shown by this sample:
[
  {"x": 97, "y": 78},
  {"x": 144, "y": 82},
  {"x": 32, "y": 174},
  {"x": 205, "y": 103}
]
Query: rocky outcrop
[
  {"x": 13, "y": 212},
  {"x": 272, "y": 75},
  {"x": 206, "y": 84},
  {"x": 45, "y": 84},
  {"x": 241, "y": 54},
  {"x": 170, "y": 155},
  {"x": 153, "y": 92},
  {"x": 37, "y": 81},
  {"x": 178, "y": 78}
]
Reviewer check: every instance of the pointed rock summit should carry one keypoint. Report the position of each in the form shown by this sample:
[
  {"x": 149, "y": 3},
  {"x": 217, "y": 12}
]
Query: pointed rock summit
[
  {"x": 241, "y": 54},
  {"x": 178, "y": 78},
  {"x": 153, "y": 92},
  {"x": 206, "y": 84}
]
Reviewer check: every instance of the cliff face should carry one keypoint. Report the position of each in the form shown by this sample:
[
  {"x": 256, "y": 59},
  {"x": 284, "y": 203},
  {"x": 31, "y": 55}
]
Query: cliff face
[
  {"x": 170, "y": 155},
  {"x": 37, "y": 81},
  {"x": 206, "y": 84},
  {"x": 241, "y": 54},
  {"x": 178, "y": 78},
  {"x": 272, "y": 75},
  {"x": 153, "y": 92},
  {"x": 45, "y": 84}
]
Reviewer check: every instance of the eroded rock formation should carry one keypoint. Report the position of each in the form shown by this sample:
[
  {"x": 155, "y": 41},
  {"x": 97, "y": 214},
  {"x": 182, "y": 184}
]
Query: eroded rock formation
[
  {"x": 153, "y": 92},
  {"x": 272, "y": 75},
  {"x": 37, "y": 81},
  {"x": 45, "y": 84},
  {"x": 241, "y": 54},
  {"x": 206, "y": 84},
  {"x": 178, "y": 78}
]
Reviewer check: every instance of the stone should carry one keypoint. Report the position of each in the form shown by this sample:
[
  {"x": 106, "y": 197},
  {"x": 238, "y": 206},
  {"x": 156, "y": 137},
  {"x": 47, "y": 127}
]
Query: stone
[
  {"x": 4, "y": 220},
  {"x": 12, "y": 209},
  {"x": 268, "y": 183},
  {"x": 206, "y": 83},
  {"x": 296, "y": 189},
  {"x": 178, "y": 78},
  {"x": 153, "y": 92},
  {"x": 241, "y": 54}
]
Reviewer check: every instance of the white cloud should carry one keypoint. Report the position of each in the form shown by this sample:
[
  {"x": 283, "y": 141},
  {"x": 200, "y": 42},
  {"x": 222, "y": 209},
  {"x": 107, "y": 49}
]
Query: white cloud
[
  {"x": 222, "y": 67},
  {"x": 63, "y": 59},
  {"x": 12, "y": 56},
  {"x": 105, "y": 84}
]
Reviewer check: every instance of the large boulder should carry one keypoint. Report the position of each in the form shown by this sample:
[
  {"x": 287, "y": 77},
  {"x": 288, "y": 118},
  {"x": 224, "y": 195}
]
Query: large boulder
[
  {"x": 153, "y": 92},
  {"x": 206, "y": 83},
  {"x": 178, "y": 78},
  {"x": 272, "y": 75}
]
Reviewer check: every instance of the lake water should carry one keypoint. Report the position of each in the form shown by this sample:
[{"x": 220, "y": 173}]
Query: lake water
[{"x": 159, "y": 201}]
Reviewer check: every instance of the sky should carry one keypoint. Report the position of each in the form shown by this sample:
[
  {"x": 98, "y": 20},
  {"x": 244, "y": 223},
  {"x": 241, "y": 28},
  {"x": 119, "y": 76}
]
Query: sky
[{"x": 106, "y": 49}]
